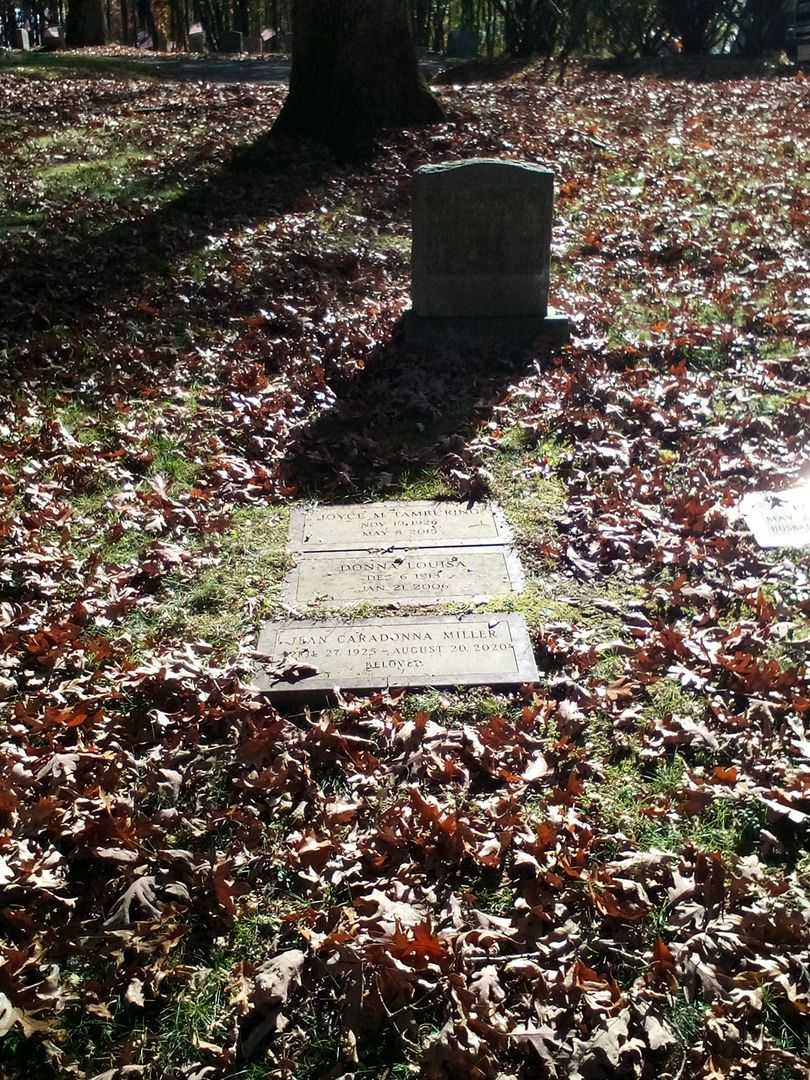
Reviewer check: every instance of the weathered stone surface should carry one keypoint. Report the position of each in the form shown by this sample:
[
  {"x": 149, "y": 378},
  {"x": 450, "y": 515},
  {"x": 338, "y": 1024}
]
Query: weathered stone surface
[
  {"x": 482, "y": 240},
  {"x": 421, "y": 523},
  {"x": 779, "y": 518},
  {"x": 405, "y": 576},
  {"x": 22, "y": 39},
  {"x": 231, "y": 41},
  {"x": 443, "y": 650},
  {"x": 196, "y": 41}
]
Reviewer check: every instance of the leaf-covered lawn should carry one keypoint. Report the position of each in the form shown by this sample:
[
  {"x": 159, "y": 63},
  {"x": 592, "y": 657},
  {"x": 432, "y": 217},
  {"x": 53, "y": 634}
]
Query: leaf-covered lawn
[{"x": 604, "y": 876}]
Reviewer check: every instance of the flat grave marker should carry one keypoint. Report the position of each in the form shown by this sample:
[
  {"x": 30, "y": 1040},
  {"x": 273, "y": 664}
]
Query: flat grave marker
[
  {"x": 421, "y": 523},
  {"x": 779, "y": 518},
  {"x": 370, "y": 654},
  {"x": 404, "y": 575}
]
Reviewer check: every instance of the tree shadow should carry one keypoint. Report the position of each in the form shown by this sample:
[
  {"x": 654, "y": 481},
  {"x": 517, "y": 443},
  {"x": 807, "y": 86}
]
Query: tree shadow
[
  {"x": 73, "y": 277},
  {"x": 408, "y": 414},
  {"x": 484, "y": 69},
  {"x": 694, "y": 68}
]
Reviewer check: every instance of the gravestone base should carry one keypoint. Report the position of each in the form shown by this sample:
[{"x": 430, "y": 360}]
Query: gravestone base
[{"x": 509, "y": 330}]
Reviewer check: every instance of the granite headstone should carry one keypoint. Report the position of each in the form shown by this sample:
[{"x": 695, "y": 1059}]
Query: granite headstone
[
  {"x": 482, "y": 249},
  {"x": 232, "y": 41}
]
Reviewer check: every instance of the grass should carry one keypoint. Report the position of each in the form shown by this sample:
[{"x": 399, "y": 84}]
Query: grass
[
  {"x": 227, "y": 599},
  {"x": 596, "y": 607},
  {"x": 666, "y": 698},
  {"x": 67, "y": 65},
  {"x": 526, "y": 481},
  {"x": 456, "y": 707},
  {"x": 634, "y": 800},
  {"x": 197, "y": 1013}
]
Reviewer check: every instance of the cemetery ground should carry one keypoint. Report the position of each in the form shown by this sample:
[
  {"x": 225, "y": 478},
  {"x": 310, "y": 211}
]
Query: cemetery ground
[{"x": 603, "y": 875}]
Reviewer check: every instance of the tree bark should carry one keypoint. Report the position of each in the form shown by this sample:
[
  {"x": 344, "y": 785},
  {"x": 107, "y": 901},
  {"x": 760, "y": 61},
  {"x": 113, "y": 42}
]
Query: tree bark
[
  {"x": 354, "y": 71},
  {"x": 86, "y": 23}
]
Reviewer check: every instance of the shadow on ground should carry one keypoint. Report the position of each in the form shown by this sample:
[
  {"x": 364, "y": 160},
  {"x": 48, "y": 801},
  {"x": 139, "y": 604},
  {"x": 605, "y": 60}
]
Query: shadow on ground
[
  {"x": 71, "y": 278},
  {"x": 408, "y": 414},
  {"x": 696, "y": 68}
]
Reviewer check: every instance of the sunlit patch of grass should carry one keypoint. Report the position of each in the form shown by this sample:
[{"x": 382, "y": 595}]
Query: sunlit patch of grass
[
  {"x": 430, "y": 484},
  {"x": 595, "y": 606},
  {"x": 169, "y": 459},
  {"x": 666, "y": 698},
  {"x": 641, "y": 803},
  {"x": 454, "y": 707},
  {"x": 525, "y": 483},
  {"x": 228, "y": 599},
  {"x": 74, "y": 66},
  {"x": 198, "y": 1012},
  {"x": 609, "y": 667},
  {"x": 102, "y": 178}
]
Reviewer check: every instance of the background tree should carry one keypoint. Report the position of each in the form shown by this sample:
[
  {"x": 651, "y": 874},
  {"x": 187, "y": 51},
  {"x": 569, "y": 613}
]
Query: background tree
[
  {"x": 627, "y": 27},
  {"x": 86, "y": 23},
  {"x": 354, "y": 71},
  {"x": 701, "y": 25},
  {"x": 763, "y": 26}
]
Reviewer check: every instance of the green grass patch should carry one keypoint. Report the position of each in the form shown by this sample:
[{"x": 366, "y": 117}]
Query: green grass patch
[
  {"x": 14, "y": 222},
  {"x": 453, "y": 708},
  {"x": 640, "y": 802},
  {"x": 198, "y": 1013},
  {"x": 102, "y": 178},
  {"x": 229, "y": 598},
  {"x": 430, "y": 484},
  {"x": 666, "y": 698},
  {"x": 525, "y": 482},
  {"x": 595, "y": 606},
  {"x": 66, "y": 65}
]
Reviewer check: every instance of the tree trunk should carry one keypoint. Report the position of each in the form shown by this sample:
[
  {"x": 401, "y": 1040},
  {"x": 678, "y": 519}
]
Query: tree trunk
[
  {"x": 354, "y": 71},
  {"x": 86, "y": 23}
]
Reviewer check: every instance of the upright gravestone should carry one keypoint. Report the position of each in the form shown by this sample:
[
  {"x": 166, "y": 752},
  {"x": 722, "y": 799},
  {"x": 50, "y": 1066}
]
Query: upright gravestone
[
  {"x": 231, "y": 41},
  {"x": 268, "y": 39},
  {"x": 22, "y": 39},
  {"x": 196, "y": 38},
  {"x": 482, "y": 250},
  {"x": 53, "y": 38},
  {"x": 463, "y": 44}
]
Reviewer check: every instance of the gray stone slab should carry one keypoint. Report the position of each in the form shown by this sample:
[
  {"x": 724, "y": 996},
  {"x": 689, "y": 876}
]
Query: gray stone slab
[
  {"x": 482, "y": 239},
  {"x": 421, "y": 523},
  {"x": 779, "y": 518},
  {"x": 443, "y": 650},
  {"x": 22, "y": 39},
  {"x": 403, "y": 576}
]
